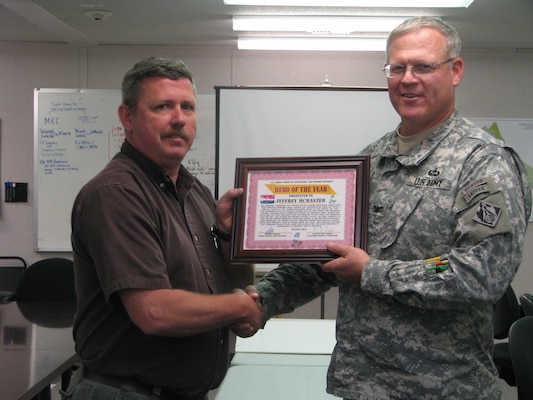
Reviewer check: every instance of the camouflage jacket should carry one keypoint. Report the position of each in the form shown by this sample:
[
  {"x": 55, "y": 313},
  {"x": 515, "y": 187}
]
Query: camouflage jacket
[{"x": 411, "y": 331}]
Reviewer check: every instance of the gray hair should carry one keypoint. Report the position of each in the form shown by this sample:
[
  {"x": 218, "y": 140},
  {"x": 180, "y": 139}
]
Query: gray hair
[
  {"x": 151, "y": 67},
  {"x": 453, "y": 40}
]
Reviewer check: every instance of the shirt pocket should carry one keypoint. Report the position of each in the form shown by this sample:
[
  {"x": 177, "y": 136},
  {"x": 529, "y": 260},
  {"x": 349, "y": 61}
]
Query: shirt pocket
[{"x": 413, "y": 223}]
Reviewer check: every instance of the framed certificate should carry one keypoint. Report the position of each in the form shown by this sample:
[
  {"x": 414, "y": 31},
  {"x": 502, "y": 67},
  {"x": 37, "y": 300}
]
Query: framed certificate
[{"x": 293, "y": 207}]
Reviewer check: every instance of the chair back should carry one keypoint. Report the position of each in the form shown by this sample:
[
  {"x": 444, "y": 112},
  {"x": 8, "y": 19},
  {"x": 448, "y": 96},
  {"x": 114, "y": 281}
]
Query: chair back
[
  {"x": 50, "y": 279},
  {"x": 506, "y": 311},
  {"x": 11, "y": 271},
  {"x": 521, "y": 349},
  {"x": 526, "y": 302}
]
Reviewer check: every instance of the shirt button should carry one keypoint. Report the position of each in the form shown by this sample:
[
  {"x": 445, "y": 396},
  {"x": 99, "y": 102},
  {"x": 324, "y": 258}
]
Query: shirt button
[
  {"x": 162, "y": 185},
  {"x": 196, "y": 238}
]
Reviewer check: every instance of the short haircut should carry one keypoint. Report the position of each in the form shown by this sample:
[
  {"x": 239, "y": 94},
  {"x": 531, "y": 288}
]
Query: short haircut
[
  {"x": 453, "y": 40},
  {"x": 151, "y": 67}
]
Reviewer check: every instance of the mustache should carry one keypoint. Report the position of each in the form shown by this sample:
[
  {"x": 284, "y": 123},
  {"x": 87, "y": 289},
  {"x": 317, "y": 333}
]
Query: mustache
[{"x": 175, "y": 134}]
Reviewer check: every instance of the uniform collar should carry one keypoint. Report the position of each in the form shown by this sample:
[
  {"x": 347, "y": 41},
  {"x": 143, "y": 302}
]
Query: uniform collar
[{"x": 422, "y": 150}]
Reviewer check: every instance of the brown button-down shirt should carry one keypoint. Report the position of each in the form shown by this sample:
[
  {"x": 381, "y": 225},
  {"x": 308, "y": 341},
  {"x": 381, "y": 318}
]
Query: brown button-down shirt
[{"x": 132, "y": 228}]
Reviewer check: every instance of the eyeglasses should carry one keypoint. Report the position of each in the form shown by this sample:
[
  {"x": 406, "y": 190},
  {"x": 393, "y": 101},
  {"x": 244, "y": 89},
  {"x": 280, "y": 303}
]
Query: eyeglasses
[{"x": 394, "y": 71}]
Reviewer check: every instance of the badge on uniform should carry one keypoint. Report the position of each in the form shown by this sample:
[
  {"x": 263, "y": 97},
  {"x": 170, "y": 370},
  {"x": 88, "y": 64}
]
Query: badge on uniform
[
  {"x": 479, "y": 186},
  {"x": 487, "y": 214}
]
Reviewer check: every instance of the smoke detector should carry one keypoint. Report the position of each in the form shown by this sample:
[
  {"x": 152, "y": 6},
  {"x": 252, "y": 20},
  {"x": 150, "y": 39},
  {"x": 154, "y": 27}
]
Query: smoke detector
[{"x": 97, "y": 15}]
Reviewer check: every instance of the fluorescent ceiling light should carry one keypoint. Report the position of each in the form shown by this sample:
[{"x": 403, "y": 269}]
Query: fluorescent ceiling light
[
  {"x": 313, "y": 43},
  {"x": 354, "y": 3},
  {"x": 316, "y": 24}
]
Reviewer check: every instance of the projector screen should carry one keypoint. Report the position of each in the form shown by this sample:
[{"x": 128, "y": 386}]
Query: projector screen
[{"x": 296, "y": 121}]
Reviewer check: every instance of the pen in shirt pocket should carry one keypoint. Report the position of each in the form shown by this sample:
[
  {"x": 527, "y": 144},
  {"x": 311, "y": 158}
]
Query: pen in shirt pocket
[{"x": 436, "y": 264}]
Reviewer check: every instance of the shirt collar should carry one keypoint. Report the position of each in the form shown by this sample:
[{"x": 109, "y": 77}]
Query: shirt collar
[
  {"x": 153, "y": 170},
  {"x": 150, "y": 167}
]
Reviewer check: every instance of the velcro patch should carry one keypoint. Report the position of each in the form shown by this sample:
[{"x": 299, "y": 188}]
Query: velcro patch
[
  {"x": 472, "y": 190},
  {"x": 480, "y": 189},
  {"x": 487, "y": 214}
]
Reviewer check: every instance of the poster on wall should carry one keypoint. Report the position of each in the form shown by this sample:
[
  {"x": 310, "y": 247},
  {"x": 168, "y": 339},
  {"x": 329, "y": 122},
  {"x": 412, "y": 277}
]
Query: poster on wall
[{"x": 517, "y": 133}]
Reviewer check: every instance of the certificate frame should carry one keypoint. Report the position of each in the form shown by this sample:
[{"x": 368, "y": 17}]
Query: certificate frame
[{"x": 293, "y": 206}]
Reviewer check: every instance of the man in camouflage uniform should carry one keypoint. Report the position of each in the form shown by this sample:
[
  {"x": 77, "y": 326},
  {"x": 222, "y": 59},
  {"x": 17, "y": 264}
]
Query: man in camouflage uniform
[{"x": 449, "y": 207}]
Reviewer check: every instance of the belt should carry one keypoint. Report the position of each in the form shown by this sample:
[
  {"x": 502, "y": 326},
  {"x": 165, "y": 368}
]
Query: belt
[{"x": 133, "y": 385}]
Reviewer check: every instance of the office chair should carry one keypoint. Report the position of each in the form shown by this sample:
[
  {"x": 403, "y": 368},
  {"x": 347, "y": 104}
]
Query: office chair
[
  {"x": 11, "y": 272},
  {"x": 526, "y": 302},
  {"x": 46, "y": 296},
  {"x": 506, "y": 312},
  {"x": 521, "y": 348},
  {"x": 51, "y": 280}
]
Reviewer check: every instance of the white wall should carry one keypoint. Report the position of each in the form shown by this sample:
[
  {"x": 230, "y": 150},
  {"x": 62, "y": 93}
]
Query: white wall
[{"x": 495, "y": 84}]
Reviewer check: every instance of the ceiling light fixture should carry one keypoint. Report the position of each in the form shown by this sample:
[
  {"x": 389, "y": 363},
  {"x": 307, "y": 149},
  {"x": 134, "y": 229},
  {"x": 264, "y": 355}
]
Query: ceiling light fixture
[
  {"x": 340, "y": 25},
  {"x": 354, "y": 3},
  {"x": 313, "y": 43}
]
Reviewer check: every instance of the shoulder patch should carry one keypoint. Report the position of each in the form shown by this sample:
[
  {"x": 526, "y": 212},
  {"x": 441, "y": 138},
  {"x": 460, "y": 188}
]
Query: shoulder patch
[
  {"x": 487, "y": 214},
  {"x": 486, "y": 217}
]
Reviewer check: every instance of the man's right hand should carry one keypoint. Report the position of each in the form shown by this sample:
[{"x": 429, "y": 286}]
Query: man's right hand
[{"x": 249, "y": 325}]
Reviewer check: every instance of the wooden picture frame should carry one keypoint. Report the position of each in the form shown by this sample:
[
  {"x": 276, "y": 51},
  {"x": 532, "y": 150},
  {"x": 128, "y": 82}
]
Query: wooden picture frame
[{"x": 293, "y": 207}]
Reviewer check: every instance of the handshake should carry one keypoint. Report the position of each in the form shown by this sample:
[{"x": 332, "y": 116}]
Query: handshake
[{"x": 251, "y": 312}]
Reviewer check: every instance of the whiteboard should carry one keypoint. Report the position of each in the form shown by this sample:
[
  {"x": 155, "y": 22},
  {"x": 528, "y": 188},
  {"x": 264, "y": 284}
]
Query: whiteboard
[
  {"x": 76, "y": 132},
  {"x": 296, "y": 121}
]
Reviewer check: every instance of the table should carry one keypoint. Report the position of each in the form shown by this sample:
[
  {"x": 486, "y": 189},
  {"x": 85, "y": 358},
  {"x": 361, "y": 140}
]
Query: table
[
  {"x": 288, "y": 359},
  {"x": 36, "y": 347},
  {"x": 310, "y": 360},
  {"x": 275, "y": 382},
  {"x": 291, "y": 336}
]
